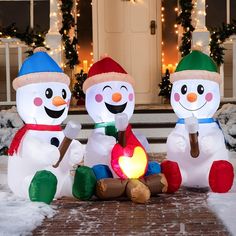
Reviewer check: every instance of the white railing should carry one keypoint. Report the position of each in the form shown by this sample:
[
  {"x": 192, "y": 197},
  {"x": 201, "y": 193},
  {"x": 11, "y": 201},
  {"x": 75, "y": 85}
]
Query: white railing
[{"x": 5, "y": 46}]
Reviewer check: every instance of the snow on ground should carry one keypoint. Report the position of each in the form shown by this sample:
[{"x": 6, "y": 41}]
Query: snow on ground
[
  {"x": 10, "y": 122},
  {"x": 19, "y": 216},
  {"x": 224, "y": 206}
]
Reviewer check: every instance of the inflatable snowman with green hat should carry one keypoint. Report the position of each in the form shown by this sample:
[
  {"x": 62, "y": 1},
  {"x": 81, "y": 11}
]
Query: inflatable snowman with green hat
[
  {"x": 42, "y": 98},
  {"x": 197, "y": 143}
]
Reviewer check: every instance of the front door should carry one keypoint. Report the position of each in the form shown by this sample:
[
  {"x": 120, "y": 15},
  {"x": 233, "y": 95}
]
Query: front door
[{"x": 122, "y": 29}]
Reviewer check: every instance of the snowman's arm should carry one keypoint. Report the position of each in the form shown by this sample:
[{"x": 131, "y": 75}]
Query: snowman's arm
[
  {"x": 38, "y": 152},
  {"x": 74, "y": 154},
  {"x": 211, "y": 142},
  {"x": 177, "y": 142},
  {"x": 102, "y": 143},
  {"x": 98, "y": 149}
]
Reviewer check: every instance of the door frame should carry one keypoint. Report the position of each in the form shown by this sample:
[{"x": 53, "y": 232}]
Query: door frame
[{"x": 96, "y": 56}]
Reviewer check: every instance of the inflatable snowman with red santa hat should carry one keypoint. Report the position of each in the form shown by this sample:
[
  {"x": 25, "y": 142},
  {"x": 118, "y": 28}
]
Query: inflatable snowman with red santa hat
[
  {"x": 109, "y": 91},
  {"x": 110, "y": 102},
  {"x": 42, "y": 98},
  {"x": 197, "y": 142}
]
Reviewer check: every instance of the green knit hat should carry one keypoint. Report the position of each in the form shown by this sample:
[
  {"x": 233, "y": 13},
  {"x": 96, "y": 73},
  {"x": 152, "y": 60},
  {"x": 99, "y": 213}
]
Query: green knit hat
[{"x": 196, "y": 65}]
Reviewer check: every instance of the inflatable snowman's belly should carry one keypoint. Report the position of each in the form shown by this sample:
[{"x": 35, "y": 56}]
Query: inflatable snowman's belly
[
  {"x": 23, "y": 165},
  {"x": 195, "y": 171}
]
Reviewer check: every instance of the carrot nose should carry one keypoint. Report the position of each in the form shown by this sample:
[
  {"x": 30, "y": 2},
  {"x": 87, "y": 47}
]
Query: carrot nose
[
  {"x": 58, "y": 101},
  {"x": 192, "y": 97},
  {"x": 116, "y": 97}
]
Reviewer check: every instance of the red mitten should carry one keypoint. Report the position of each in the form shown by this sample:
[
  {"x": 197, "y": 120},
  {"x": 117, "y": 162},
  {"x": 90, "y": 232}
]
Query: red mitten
[
  {"x": 221, "y": 176},
  {"x": 172, "y": 173}
]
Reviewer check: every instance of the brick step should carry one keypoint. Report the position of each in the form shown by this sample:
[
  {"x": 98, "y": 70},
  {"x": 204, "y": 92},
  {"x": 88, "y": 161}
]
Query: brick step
[
  {"x": 154, "y": 124},
  {"x": 140, "y": 125},
  {"x": 140, "y": 118}
]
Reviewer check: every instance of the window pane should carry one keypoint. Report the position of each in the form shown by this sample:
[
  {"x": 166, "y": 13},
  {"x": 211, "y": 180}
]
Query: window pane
[
  {"x": 41, "y": 14},
  {"x": 233, "y": 10},
  {"x": 15, "y": 12},
  {"x": 169, "y": 36},
  {"x": 216, "y": 13},
  {"x": 84, "y": 29}
]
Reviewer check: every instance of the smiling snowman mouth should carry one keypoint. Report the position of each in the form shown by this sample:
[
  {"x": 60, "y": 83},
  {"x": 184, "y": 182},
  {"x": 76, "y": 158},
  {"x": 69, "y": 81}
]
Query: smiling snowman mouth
[
  {"x": 54, "y": 114},
  {"x": 193, "y": 109},
  {"x": 116, "y": 109}
]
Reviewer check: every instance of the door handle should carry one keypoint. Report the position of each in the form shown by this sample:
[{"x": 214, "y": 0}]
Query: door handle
[{"x": 153, "y": 27}]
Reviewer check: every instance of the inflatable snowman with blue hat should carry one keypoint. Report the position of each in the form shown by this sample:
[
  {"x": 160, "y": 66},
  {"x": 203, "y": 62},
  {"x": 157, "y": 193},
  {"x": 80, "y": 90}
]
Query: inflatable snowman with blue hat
[
  {"x": 42, "y": 98},
  {"x": 197, "y": 142},
  {"x": 110, "y": 102}
]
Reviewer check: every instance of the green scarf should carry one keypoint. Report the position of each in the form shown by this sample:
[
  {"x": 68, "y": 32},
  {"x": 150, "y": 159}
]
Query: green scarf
[{"x": 110, "y": 128}]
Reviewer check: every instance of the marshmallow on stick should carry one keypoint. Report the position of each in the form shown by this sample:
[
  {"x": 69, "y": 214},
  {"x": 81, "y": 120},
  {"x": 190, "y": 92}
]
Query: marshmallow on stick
[
  {"x": 71, "y": 132},
  {"x": 192, "y": 127},
  {"x": 121, "y": 123}
]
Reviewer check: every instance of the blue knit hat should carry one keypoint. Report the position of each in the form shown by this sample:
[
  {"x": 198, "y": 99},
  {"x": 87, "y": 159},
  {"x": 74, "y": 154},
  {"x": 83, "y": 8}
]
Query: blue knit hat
[{"x": 39, "y": 67}]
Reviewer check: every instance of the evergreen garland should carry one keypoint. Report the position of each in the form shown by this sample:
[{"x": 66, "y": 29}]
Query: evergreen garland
[
  {"x": 184, "y": 19},
  {"x": 68, "y": 22},
  {"x": 165, "y": 85},
  {"x": 78, "y": 87},
  {"x": 30, "y": 37},
  {"x": 218, "y": 37},
  {"x": 34, "y": 38}
]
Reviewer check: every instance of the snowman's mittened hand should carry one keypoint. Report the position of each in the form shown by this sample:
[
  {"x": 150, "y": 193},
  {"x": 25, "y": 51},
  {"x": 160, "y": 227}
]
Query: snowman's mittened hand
[
  {"x": 75, "y": 153},
  {"x": 121, "y": 121},
  {"x": 191, "y": 124}
]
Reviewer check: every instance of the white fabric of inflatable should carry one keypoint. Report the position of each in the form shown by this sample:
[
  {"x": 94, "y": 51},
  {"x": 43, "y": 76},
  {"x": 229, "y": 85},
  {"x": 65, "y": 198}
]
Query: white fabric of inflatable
[
  {"x": 195, "y": 97},
  {"x": 43, "y": 98}
]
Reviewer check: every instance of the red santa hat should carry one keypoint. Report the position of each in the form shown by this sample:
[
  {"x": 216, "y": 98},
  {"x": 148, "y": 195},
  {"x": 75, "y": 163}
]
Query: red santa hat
[{"x": 104, "y": 70}]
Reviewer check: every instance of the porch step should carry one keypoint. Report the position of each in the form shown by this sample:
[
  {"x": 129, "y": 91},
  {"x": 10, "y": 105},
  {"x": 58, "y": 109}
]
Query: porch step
[{"x": 153, "y": 123}]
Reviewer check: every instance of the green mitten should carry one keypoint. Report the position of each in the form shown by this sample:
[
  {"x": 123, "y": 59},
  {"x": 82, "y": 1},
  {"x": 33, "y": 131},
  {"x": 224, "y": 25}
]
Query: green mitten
[
  {"x": 84, "y": 183},
  {"x": 43, "y": 187}
]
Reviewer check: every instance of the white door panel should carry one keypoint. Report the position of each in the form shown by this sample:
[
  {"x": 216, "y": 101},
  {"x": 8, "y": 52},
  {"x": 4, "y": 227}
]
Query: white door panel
[{"x": 122, "y": 30}]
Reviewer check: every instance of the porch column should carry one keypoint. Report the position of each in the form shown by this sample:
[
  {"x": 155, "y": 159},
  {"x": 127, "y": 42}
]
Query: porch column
[
  {"x": 234, "y": 66},
  {"x": 201, "y": 36},
  {"x": 53, "y": 37}
]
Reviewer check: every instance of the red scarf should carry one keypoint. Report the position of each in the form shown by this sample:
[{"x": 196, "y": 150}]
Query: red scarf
[{"x": 21, "y": 132}]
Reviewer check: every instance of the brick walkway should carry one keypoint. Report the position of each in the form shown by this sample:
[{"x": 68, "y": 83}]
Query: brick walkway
[{"x": 183, "y": 213}]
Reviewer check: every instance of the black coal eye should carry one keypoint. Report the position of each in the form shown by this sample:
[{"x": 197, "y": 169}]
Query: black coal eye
[
  {"x": 123, "y": 87},
  {"x": 64, "y": 93},
  {"x": 48, "y": 93},
  {"x": 184, "y": 89},
  {"x": 200, "y": 89},
  {"x": 107, "y": 86}
]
